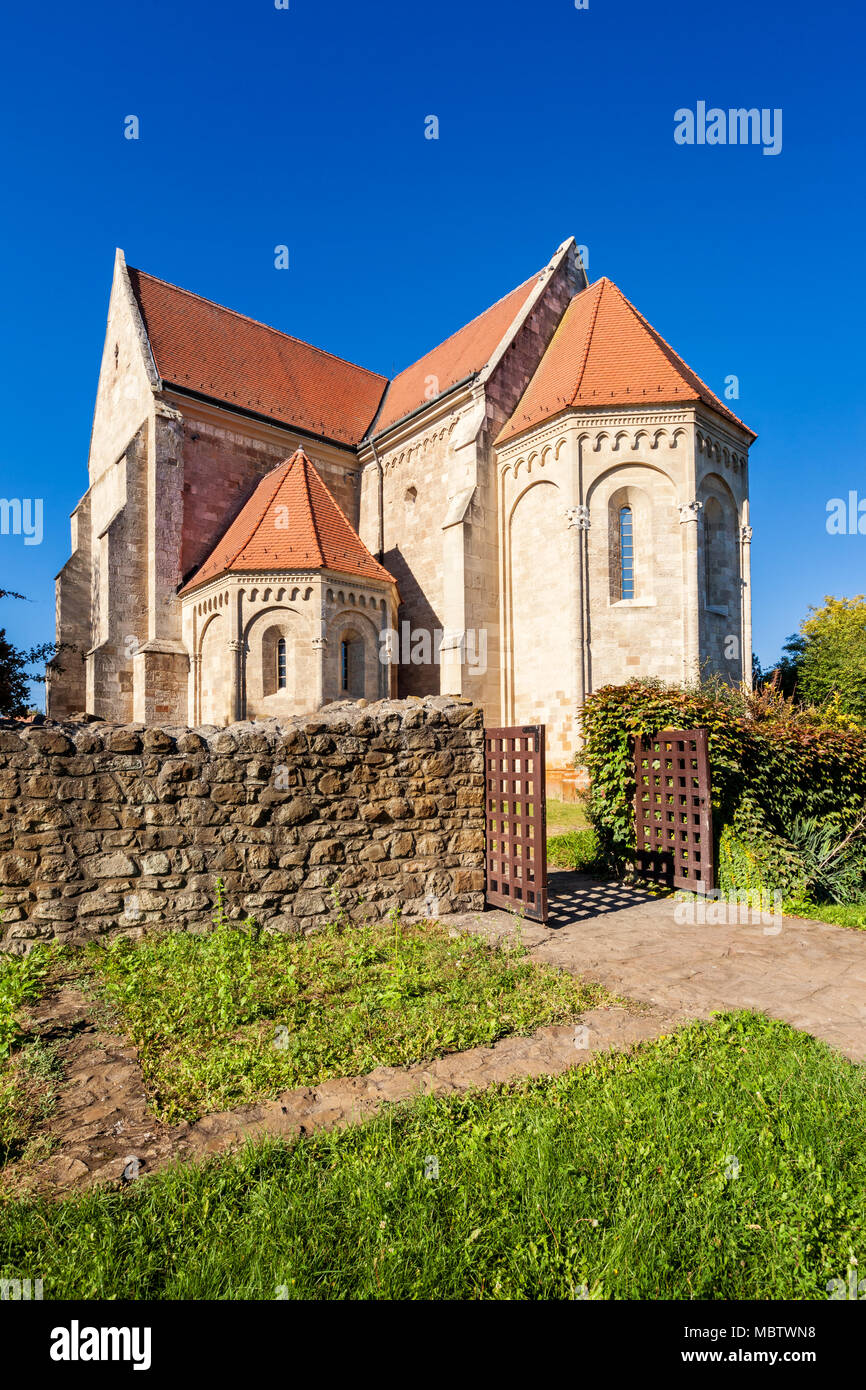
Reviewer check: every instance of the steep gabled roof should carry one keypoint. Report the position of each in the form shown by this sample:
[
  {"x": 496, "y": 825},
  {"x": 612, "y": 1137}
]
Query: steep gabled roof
[
  {"x": 203, "y": 347},
  {"x": 290, "y": 522},
  {"x": 605, "y": 353},
  {"x": 465, "y": 352}
]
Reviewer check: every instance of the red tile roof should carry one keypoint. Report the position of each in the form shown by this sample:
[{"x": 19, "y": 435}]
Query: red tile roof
[
  {"x": 605, "y": 353},
  {"x": 203, "y": 347},
  {"x": 290, "y": 522},
  {"x": 465, "y": 352}
]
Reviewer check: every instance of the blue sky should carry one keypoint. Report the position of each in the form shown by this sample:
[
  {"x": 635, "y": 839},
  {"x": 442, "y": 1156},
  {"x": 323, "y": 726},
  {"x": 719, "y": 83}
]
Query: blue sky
[{"x": 305, "y": 127}]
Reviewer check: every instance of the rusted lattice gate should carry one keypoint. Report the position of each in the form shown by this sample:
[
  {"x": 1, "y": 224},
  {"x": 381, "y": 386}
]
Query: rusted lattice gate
[
  {"x": 516, "y": 820},
  {"x": 672, "y": 809}
]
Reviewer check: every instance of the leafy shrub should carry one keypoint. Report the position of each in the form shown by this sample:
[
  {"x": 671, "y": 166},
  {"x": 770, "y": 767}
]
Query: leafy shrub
[{"x": 772, "y": 763}]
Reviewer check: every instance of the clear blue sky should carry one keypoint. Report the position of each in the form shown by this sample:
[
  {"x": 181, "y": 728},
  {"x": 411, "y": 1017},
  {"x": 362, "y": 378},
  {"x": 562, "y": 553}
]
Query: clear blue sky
[{"x": 305, "y": 126}]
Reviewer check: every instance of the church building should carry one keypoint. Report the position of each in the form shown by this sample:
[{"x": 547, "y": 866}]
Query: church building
[{"x": 547, "y": 502}]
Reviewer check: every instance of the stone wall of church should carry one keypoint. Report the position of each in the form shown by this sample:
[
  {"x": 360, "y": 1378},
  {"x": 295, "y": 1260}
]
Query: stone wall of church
[
  {"x": 563, "y": 488},
  {"x": 449, "y": 578},
  {"x": 118, "y": 579},
  {"x": 641, "y": 636},
  {"x": 723, "y": 582},
  {"x": 108, "y": 829}
]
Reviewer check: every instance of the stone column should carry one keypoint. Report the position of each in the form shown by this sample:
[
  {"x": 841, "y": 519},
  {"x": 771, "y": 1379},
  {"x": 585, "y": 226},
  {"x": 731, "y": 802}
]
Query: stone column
[
  {"x": 746, "y": 612},
  {"x": 194, "y": 715},
  {"x": 236, "y": 647},
  {"x": 578, "y": 526},
  {"x": 320, "y": 655},
  {"x": 689, "y": 514}
]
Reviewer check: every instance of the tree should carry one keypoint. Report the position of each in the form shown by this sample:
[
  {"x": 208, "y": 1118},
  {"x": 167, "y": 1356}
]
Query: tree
[
  {"x": 826, "y": 660},
  {"x": 833, "y": 660},
  {"x": 14, "y": 662}
]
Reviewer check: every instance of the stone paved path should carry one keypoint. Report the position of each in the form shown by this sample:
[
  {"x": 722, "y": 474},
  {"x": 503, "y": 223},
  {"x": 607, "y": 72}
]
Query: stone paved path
[{"x": 808, "y": 974}]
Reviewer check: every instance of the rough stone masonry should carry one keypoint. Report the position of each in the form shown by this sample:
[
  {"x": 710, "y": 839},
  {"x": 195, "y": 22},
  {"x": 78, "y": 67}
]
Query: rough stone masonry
[{"x": 108, "y": 828}]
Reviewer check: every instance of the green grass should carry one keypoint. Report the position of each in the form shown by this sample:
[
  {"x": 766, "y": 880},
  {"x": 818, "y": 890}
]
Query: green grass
[
  {"x": 236, "y": 1015},
  {"x": 577, "y": 849},
  {"x": 565, "y": 815},
  {"x": 840, "y": 914},
  {"x": 618, "y": 1177},
  {"x": 23, "y": 980},
  {"x": 26, "y": 1066},
  {"x": 28, "y": 1090}
]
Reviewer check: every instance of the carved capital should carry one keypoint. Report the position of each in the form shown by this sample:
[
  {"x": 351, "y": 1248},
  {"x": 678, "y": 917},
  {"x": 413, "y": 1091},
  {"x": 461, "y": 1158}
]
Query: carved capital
[
  {"x": 689, "y": 510},
  {"x": 578, "y": 516},
  {"x": 319, "y": 644},
  {"x": 746, "y": 535},
  {"x": 235, "y": 644}
]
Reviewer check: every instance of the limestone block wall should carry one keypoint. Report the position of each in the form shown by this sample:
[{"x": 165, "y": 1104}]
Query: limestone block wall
[
  {"x": 118, "y": 575},
  {"x": 642, "y": 636},
  {"x": 417, "y": 485},
  {"x": 723, "y": 561},
  {"x": 110, "y": 829},
  {"x": 567, "y": 627}
]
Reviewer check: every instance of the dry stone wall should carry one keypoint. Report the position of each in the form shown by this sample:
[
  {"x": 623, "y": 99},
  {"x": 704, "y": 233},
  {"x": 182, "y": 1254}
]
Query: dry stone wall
[{"x": 109, "y": 828}]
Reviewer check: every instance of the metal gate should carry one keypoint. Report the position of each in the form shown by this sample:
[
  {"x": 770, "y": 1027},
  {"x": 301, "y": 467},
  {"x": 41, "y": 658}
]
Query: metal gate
[
  {"x": 672, "y": 809},
  {"x": 516, "y": 820}
]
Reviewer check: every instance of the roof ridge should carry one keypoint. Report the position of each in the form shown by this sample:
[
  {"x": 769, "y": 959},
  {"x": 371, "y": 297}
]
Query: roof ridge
[
  {"x": 310, "y": 507},
  {"x": 676, "y": 361},
  {"x": 259, "y": 323},
  {"x": 589, "y": 332},
  {"x": 469, "y": 322}
]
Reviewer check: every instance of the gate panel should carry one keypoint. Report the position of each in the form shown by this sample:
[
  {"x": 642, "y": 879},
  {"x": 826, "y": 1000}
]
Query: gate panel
[
  {"x": 672, "y": 809},
  {"x": 516, "y": 817}
]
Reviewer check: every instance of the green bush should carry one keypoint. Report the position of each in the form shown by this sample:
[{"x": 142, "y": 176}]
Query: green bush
[
  {"x": 575, "y": 849},
  {"x": 772, "y": 765}
]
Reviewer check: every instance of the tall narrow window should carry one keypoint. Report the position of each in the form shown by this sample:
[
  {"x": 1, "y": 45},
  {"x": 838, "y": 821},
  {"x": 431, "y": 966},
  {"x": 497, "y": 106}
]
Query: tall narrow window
[
  {"x": 626, "y": 553},
  {"x": 281, "y": 664},
  {"x": 344, "y": 666}
]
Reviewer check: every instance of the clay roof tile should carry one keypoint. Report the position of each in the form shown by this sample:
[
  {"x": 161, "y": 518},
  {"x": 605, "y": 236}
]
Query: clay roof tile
[
  {"x": 203, "y": 347},
  {"x": 291, "y": 521},
  {"x": 605, "y": 353}
]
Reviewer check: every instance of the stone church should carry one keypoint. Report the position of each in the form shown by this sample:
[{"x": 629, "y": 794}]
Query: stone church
[{"x": 547, "y": 502}]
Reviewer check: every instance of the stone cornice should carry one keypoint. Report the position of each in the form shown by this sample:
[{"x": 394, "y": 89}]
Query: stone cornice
[{"x": 572, "y": 421}]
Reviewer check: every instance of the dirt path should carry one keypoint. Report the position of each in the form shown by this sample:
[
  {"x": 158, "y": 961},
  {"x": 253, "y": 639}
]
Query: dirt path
[
  {"x": 103, "y": 1131},
  {"x": 808, "y": 974}
]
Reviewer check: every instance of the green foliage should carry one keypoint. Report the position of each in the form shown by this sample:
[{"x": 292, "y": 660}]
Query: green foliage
[
  {"x": 28, "y": 1089},
  {"x": 15, "y": 678},
  {"x": 838, "y": 914},
  {"x": 576, "y": 849},
  {"x": 22, "y": 981},
  {"x": 772, "y": 764},
  {"x": 832, "y": 660},
  {"x": 670, "y": 1172},
  {"x": 237, "y": 1014}
]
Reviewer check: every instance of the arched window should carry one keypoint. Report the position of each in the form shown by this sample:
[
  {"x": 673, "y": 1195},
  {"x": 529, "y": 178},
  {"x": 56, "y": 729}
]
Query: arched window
[
  {"x": 715, "y": 569},
  {"x": 281, "y": 664},
  {"x": 626, "y": 553},
  {"x": 352, "y": 673}
]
